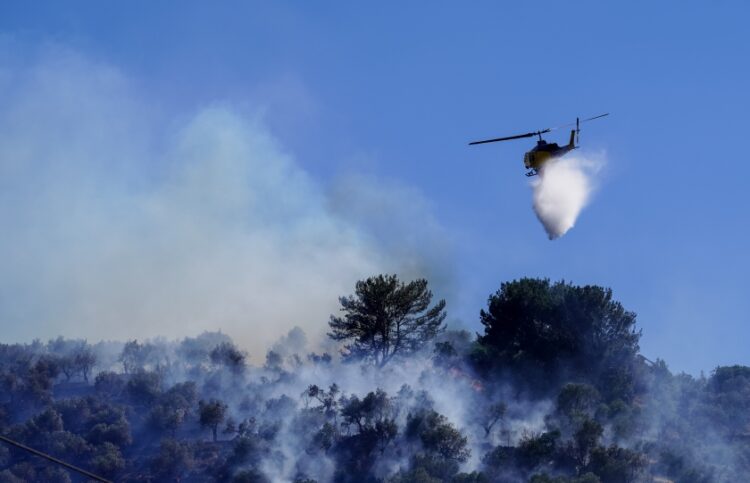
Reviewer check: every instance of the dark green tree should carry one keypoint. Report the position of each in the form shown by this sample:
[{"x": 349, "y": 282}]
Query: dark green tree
[
  {"x": 536, "y": 450},
  {"x": 173, "y": 407},
  {"x": 84, "y": 361},
  {"x": 438, "y": 436},
  {"x": 133, "y": 356},
  {"x": 618, "y": 465},
  {"x": 542, "y": 330},
  {"x": 212, "y": 414},
  {"x": 228, "y": 355},
  {"x": 491, "y": 416},
  {"x": 373, "y": 419},
  {"x": 575, "y": 404},
  {"x": 386, "y": 318},
  {"x": 144, "y": 387},
  {"x": 109, "y": 384},
  {"x": 728, "y": 397},
  {"x": 107, "y": 460},
  {"x": 117, "y": 433},
  {"x": 368, "y": 428},
  {"x": 585, "y": 440},
  {"x": 173, "y": 460}
]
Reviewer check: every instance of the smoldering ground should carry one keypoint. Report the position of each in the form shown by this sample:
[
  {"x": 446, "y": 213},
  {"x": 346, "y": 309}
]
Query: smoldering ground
[
  {"x": 303, "y": 416},
  {"x": 562, "y": 190},
  {"x": 273, "y": 404},
  {"x": 121, "y": 220}
]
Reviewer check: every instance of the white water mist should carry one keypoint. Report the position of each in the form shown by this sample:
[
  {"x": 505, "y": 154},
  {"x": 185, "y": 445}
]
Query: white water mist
[{"x": 562, "y": 189}]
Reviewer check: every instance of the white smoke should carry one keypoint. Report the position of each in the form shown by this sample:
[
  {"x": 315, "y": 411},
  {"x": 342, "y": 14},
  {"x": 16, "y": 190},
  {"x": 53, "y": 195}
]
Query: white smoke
[
  {"x": 121, "y": 221},
  {"x": 562, "y": 189}
]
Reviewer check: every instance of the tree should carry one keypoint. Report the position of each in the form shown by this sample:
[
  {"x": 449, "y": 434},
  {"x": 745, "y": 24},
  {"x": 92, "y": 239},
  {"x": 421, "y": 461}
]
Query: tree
[
  {"x": 133, "y": 356},
  {"x": 144, "y": 387},
  {"x": 728, "y": 395},
  {"x": 195, "y": 351},
  {"x": 444, "y": 354},
  {"x": 618, "y": 465},
  {"x": 66, "y": 445},
  {"x": 492, "y": 414},
  {"x": 539, "y": 330},
  {"x": 536, "y": 450},
  {"x": 366, "y": 412},
  {"x": 425, "y": 470},
  {"x": 173, "y": 407},
  {"x": 386, "y": 318},
  {"x": 443, "y": 447},
  {"x": 66, "y": 364},
  {"x": 117, "y": 433},
  {"x": 107, "y": 460},
  {"x": 109, "y": 383},
  {"x": 327, "y": 399},
  {"x": 324, "y": 437},
  {"x": 228, "y": 355},
  {"x": 585, "y": 440},
  {"x": 174, "y": 459},
  {"x": 274, "y": 361},
  {"x": 575, "y": 404},
  {"x": 438, "y": 436},
  {"x": 48, "y": 421},
  {"x": 37, "y": 382},
  {"x": 74, "y": 357},
  {"x": 212, "y": 414},
  {"x": 374, "y": 427},
  {"x": 84, "y": 361}
]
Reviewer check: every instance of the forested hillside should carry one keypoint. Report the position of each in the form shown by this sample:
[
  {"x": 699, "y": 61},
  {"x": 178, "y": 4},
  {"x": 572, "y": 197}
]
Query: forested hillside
[{"x": 553, "y": 389}]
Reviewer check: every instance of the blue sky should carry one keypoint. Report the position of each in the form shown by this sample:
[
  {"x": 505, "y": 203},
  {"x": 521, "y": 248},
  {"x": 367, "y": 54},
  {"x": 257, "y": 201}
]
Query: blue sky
[{"x": 396, "y": 91}]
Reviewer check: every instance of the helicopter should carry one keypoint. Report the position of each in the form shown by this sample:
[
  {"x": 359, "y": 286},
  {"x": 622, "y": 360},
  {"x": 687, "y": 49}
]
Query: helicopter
[{"x": 535, "y": 159}]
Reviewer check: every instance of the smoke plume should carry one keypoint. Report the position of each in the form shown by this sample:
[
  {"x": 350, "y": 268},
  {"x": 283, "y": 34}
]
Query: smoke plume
[
  {"x": 562, "y": 189},
  {"x": 121, "y": 220}
]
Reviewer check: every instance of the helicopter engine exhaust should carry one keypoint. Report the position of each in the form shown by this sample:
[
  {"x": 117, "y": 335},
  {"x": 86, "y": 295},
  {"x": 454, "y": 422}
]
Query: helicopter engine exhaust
[{"x": 562, "y": 189}]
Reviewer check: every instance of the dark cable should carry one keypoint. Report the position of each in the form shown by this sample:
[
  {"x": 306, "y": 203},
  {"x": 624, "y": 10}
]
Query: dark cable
[{"x": 54, "y": 460}]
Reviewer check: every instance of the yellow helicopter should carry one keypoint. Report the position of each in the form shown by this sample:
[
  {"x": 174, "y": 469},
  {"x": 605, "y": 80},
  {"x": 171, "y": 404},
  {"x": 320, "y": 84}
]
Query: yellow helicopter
[{"x": 543, "y": 151}]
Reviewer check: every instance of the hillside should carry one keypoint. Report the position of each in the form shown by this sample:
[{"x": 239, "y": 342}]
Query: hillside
[{"x": 554, "y": 389}]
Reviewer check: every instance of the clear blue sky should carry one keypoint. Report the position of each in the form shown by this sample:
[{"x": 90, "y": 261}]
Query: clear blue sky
[{"x": 398, "y": 88}]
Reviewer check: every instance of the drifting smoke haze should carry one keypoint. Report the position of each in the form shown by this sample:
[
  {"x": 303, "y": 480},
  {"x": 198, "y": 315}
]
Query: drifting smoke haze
[
  {"x": 563, "y": 188},
  {"x": 123, "y": 221},
  {"x": 311, "y": 417}
]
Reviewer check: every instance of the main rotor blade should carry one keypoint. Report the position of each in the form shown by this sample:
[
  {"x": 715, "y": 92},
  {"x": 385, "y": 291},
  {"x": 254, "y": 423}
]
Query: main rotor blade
[
  {"x": 573, "y": 124},
  {"x": 595, "y": 117},
  {"x": 508, "y": 138}
]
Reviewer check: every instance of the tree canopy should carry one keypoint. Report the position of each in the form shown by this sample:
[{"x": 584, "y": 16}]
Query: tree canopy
[
  {"x": 386, "y": 318},
  {"x": 544, "y": 329}
]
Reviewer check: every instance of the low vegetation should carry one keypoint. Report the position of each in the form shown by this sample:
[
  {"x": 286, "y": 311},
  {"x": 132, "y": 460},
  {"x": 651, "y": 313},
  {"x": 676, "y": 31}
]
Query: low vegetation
[{"x": 553, "y": 390}]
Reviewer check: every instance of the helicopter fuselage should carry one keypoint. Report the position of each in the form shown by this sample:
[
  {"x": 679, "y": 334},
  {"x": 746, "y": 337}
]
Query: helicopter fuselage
[{"x": 535, "y": 159}]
